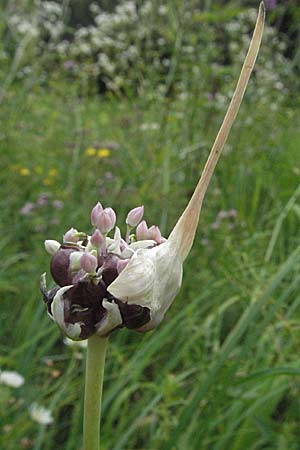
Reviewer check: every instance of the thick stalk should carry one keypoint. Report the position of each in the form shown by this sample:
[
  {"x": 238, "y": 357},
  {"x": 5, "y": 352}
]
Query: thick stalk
[{"x": 95, "y": 362}]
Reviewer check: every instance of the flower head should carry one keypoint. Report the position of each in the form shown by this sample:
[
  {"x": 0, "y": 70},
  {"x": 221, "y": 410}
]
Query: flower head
[
  {"x": 40, "y": 414},
  {"x": 105, "y": 283},
  {"x": 82, "y": 303}
]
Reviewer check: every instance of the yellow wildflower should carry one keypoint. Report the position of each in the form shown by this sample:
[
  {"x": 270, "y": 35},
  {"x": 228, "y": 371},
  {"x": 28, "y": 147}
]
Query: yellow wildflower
[
  {"x": 52, "y": 173},
  {"x": 103, "y": 153},
  {"x": 24, "y": 171},
  {"x": 47, "y": 181},
  {"x": 90, "y": 151}
]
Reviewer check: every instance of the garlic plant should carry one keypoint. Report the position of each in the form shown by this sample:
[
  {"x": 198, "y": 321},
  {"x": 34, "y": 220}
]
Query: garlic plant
[{"x": 106, "y": 283}]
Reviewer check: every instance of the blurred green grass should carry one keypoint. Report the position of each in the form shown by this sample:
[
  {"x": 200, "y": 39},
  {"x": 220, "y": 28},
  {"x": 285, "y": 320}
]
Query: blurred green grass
[{"x": 222, "y": 371}]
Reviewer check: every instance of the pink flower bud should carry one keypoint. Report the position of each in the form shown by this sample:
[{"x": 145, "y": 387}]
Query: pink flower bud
[
  {"x": 71, "y": 235},
  {"x": 106, "y": 220},
  {"x": 95, "y": 213},
  {"x": 135, "y": 216},
  {"x": 97, "y": 240},
  {"x": 112, "y": 215},
  {"x": 155, "y": 234},
  {"x": 142, "y": 231},
  {"x": 88, "y": 262},
  {"x": 122, "y": 263}
]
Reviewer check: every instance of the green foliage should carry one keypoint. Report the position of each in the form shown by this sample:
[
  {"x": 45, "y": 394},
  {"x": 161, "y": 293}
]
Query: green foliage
[{"x": 222, "y": 370}]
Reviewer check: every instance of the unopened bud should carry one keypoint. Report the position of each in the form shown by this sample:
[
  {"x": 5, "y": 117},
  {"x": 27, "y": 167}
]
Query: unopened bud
[
  {"x": 142, "y": 231},
  {"x": 71, "y": 235},
  {"x": 97, "y": 240},
  {"x": 155, "y": 234},
  {"x": 88, "y": 262},
  {"x": 95, "y": 213},
  {"x": 51, "y": 246},
  {"x": 135, "y": 216},
  {"x": 112, "y": 215},
  {"x": 122, "y": 263},
  {"x": 106, "y": 220}
]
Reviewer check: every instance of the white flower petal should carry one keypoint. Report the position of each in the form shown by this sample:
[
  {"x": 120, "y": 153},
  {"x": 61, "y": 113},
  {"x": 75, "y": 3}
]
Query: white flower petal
[
  {"x": 11, "y": 378},
  {"x": 40, "y": 414}
]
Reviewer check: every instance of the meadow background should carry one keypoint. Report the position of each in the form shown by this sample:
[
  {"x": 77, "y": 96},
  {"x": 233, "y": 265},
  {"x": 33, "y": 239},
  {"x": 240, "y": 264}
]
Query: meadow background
[{"x": 120, "y": 102}]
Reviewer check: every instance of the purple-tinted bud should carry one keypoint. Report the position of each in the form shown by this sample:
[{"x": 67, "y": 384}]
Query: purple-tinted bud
[
  {"x": 95, "y": 213},
  {"x": 106, "y": 220},
  {"x": 121, "y": 264},
  {"x": 135, "y": 216},
  {"x": 112, "y": 215},
  {"x": 97, "y": 240},
  {"x": 88, "y": 262},
  {"x": 142, "y": 231},
  {"x": 155, "y": 234},
  {"x": 71, "y": 235}
]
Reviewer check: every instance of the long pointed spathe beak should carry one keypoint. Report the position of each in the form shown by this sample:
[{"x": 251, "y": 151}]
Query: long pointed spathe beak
[{"x": 184, "y": 231}]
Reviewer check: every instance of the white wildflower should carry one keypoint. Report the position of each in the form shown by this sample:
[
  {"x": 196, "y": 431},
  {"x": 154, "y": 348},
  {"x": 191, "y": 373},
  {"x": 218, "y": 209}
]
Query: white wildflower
[
  {"x": 40, "y": 414},
  {"x": 11, "y": 378}
]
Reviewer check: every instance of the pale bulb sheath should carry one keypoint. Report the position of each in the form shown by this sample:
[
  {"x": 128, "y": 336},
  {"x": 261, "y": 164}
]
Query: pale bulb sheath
[{"x": 184, "y": 231}]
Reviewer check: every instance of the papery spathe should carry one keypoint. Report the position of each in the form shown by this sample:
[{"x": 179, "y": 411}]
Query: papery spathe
[{"x": 153, "y": 277}]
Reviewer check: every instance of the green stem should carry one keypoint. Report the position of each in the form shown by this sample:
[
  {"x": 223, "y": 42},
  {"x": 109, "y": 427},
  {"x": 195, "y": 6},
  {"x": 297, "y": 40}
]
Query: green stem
[{"x": 93, "y": 392}]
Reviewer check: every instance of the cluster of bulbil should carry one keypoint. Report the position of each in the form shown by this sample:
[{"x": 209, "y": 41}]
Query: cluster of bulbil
[{"x": 84, "y": 266}]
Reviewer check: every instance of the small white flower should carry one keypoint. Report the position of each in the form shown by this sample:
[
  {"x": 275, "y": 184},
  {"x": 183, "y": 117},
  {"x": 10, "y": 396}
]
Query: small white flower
[
  {"x": 40, "y": 414},
  {"x": 11, "y": 378}
]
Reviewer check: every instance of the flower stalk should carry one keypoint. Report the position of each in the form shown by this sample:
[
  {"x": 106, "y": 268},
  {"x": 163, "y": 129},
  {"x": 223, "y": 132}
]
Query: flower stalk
[{"x": 95, "y": 363}]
